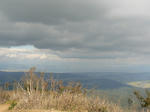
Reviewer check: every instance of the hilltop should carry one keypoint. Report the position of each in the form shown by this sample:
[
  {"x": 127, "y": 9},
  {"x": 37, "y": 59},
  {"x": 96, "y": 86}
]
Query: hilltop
[{"x": 37, "y": 92}]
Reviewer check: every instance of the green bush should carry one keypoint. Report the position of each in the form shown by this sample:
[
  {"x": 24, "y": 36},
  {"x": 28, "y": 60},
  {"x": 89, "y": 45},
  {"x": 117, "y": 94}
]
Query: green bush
[{"x": 12, "y": 104}]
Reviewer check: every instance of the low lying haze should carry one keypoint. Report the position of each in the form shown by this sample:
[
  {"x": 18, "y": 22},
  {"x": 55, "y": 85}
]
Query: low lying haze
[{"x": 75, "y": 35}]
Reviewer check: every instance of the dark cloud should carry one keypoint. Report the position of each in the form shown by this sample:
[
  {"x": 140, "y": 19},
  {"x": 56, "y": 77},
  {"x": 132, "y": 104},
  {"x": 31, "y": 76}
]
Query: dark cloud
[
  {"x": 75, "y": 28},
  {"x": 50, "y": 11}
]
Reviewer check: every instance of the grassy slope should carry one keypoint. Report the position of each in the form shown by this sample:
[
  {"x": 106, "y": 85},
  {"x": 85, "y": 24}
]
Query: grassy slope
[{"x": 33, "y": 92}]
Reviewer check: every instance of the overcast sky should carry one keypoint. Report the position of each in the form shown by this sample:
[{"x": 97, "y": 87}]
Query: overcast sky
[{"x": 75, "y": 35}]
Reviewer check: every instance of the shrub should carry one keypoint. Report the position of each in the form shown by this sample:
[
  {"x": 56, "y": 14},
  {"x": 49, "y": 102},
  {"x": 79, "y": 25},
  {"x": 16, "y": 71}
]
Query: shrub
[
  {"x": 143, "y": 101},
  {"x": 12, "y": 103}
]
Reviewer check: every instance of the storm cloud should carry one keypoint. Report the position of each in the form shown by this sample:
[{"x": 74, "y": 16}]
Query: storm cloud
[{"x": 81, "y": 29}]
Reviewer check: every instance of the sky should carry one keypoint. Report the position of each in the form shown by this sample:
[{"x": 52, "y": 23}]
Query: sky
[{"x": 75, "y": 35}]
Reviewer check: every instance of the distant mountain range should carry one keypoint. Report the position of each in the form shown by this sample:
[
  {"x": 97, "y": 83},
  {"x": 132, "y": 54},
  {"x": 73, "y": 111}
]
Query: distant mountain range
[{"x": 98, "y": 80}]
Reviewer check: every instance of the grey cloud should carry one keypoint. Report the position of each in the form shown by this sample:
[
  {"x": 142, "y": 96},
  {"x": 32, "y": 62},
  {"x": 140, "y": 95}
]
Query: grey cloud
[
  {"x": 50, "y": 11},
  {"x": 75, "y": 28}
]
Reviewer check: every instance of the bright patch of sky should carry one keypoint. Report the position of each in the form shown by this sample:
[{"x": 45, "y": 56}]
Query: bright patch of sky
[{"x": 27, "y": 47}]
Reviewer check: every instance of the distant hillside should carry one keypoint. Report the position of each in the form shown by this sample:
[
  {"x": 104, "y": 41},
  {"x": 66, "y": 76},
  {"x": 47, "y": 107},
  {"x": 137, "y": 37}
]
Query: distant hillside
[
  {"x": 102, "y": 80},
  {"x": 10, "y": 76}
]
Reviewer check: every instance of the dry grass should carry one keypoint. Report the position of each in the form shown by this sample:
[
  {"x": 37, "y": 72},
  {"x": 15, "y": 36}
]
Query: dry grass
[
  {"x": 4, "y": 96},
  {"x": 35, "y": 93}
]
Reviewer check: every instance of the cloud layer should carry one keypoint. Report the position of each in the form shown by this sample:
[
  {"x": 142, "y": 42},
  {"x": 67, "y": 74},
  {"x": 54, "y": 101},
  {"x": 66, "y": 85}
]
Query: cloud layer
[{"x": 83, "y": 30}]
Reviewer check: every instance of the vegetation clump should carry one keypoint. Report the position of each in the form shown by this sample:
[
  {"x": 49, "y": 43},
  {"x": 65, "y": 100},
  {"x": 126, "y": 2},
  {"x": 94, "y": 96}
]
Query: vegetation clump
[
  {"x": 4, "y": 96},
  {"x": 35, "y": 92}
]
